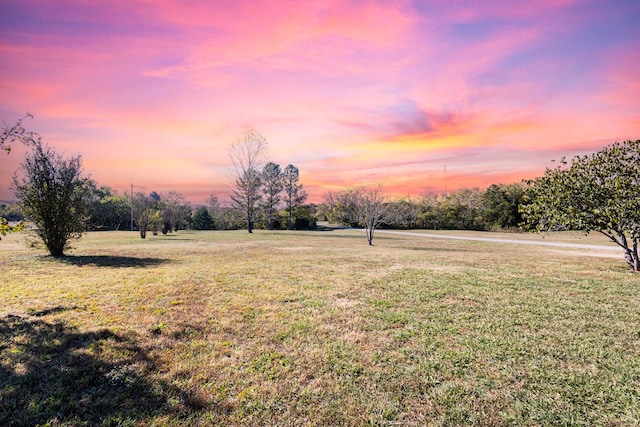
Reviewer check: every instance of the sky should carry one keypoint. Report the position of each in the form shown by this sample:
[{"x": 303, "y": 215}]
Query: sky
[{"x": 423, "y": 96}]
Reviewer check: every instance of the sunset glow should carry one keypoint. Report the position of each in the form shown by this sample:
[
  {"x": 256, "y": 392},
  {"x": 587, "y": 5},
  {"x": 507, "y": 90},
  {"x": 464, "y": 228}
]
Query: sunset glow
[{"x": 422, "y": 95}]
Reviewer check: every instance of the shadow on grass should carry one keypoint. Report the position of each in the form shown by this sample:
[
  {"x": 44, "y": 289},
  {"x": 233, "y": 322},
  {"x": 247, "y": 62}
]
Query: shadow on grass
[
  {"x": 320, "y": 227},
  {"x": 110, "y": 261},
  {"x": 51, "y": 373},
  {"x": 436, "y": 248},
  {"x": 52, "y": 310}
]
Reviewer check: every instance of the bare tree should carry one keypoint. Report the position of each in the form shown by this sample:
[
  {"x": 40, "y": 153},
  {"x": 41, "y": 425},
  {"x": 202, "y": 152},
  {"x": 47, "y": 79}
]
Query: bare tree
[
  {"x": 174, "y": 212},
  {"x": 146, "y": 213},
  {"x": 9, "y": 135},
  {"x": 17, "y": 133},
  {"x": 294, "y": 193},
  {"x": 248, "y": 154},
  {"x": 362, "y": 206}
]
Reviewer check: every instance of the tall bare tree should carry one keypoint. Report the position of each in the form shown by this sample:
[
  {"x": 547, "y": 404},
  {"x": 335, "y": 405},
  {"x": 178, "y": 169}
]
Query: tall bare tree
[
  {"x": 294, "y": 193},
  {"x": 248, "y": 153}
]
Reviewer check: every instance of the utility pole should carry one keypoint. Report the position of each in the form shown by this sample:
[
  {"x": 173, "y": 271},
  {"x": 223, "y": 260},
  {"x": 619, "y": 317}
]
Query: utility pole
[{"x": 445, "y": 179}]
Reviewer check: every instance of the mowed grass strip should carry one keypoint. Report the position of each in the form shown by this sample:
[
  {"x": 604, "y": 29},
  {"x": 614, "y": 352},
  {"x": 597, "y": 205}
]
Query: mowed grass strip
[{"x": 316, "y": 328}]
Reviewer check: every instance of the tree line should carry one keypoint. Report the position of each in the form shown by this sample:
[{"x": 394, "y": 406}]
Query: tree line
[
  {"x": 264, "y": 195},
  {"x": 62, "y": 203},
  {"x": 495, "y": 208},
  {"x": 599, "y": 192},
  {"x": 594, "y": 193}
]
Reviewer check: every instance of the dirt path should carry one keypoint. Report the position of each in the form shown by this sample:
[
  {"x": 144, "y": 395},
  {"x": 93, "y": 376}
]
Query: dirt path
[{"x": 515, "y": 241}]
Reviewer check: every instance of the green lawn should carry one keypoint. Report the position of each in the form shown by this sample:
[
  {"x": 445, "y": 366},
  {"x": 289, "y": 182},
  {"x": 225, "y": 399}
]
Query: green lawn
[{"x": 317, "y": 328}]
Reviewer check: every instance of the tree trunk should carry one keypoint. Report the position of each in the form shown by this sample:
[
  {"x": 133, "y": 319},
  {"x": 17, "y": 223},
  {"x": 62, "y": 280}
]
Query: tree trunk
[
  {"x": 631, "y": 257},
  {"x": 250, "y": 227},
  {"x": 56, "y": 251},
  {"x": 143, "y": 233},
  {"x": 635, "y": 265},
  {"x": 370, "y": 236},
  {"x": 630, "y": 253}
]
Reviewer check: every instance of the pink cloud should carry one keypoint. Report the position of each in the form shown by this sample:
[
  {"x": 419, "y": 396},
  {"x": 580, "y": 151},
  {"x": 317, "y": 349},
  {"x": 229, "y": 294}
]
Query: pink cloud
[
  {"x": 349, "y": 91},
  {"x": 260, "y": 34}
]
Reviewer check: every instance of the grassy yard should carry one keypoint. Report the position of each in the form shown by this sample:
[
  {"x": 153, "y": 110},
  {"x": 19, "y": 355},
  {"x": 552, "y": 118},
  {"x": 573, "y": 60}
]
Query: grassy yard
[{"x": 316, "y": 328}]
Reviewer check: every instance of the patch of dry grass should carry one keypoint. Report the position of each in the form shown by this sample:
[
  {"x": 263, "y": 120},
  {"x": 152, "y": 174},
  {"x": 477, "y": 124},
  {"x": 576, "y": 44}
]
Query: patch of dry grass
[{"x": 316, "y": 328}]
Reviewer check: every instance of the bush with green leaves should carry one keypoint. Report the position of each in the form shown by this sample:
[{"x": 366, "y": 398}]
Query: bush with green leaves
[
  {"x": 202, "y": 220},
  {"x": 53, "y": 194},
  {"x": 598, "y": 192}
]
